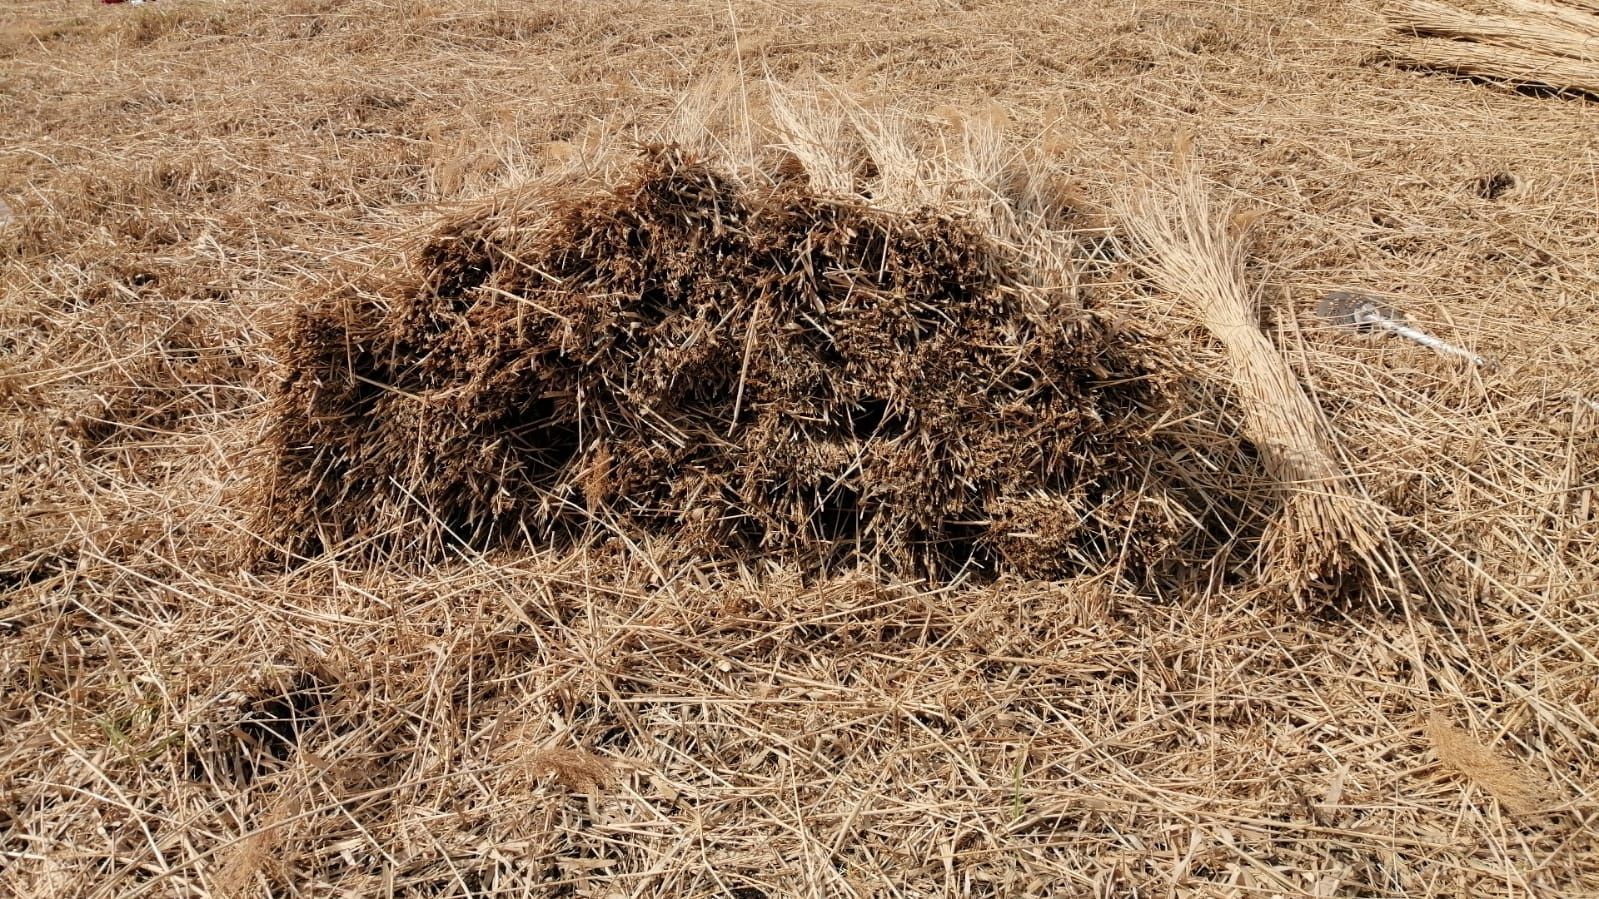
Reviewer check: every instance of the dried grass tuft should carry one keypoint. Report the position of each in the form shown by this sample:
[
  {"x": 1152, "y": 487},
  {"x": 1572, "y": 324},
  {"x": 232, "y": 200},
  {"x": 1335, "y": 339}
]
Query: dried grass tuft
[{"x": 574, "y": 769}]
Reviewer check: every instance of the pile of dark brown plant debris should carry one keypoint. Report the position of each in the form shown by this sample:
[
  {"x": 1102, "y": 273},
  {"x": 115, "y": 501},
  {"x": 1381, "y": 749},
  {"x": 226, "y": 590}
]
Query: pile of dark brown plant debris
[{"x": 758, "y": 371}]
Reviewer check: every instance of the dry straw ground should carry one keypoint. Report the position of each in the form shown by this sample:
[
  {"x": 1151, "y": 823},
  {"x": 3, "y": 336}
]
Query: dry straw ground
[{"x": 621, "y": 715}]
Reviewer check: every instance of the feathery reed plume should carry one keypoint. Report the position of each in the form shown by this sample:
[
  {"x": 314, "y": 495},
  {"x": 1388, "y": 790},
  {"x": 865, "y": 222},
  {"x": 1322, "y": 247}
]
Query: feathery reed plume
[{"x": 1511, "y": 781}]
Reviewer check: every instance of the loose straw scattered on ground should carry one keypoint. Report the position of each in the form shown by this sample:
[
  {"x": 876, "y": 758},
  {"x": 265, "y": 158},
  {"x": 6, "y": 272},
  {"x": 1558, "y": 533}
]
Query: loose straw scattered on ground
[{"x": 639, "y": 721}]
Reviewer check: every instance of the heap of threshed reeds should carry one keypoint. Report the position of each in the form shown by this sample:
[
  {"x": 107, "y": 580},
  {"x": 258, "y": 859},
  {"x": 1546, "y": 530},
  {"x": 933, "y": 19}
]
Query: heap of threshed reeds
[{"x": 753, "y": 369}]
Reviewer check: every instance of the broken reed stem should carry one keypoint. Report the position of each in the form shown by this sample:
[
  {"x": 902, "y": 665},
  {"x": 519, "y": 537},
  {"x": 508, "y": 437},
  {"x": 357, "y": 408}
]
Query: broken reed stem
[{"x": 1325, "y": 529}]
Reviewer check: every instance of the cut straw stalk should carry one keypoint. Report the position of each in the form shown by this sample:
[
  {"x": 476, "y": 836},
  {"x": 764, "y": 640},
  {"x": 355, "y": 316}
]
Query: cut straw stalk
[
  {"x": 1325, "y": 530},
  {"x": 1563, "y": 13}
]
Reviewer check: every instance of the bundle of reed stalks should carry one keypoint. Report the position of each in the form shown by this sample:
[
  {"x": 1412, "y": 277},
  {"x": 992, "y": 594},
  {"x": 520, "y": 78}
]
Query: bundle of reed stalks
[
  {"x": 1546, "y": 43},
  {"x": 1327, "y": 532}
]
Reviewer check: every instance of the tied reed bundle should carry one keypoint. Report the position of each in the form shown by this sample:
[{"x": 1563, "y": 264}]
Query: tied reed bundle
[
  {"x": 1551, "y": 43},
  {"x": 1326, "y": 531}
]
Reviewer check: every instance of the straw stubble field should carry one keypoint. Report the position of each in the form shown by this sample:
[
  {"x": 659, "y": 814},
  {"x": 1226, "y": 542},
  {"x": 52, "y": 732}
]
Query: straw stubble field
[{"x": 739, "y": 450}]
